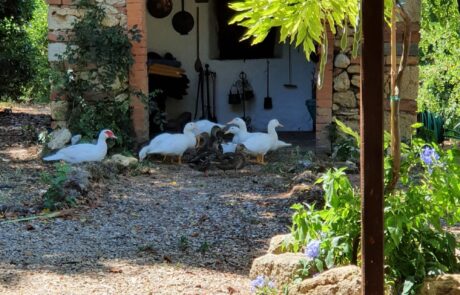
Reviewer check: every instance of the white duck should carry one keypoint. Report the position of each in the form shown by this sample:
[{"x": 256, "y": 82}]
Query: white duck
[
  {"x": 260, "y": 143},
  {"x": 84, "y": 152},
  {"x": 244, "y": 135},
  {"x": 206, "y": 126},
  {"x": 167, "y": 144}
]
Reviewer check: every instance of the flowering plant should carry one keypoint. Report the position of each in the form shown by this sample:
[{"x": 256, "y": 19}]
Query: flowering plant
[
  {"x": 417, "y": 243},
  {"x": 263, "y": 286}
]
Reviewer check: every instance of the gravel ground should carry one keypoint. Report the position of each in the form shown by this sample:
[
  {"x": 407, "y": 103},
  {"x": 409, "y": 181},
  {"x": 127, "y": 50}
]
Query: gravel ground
[{"x": 170, "y": 231}]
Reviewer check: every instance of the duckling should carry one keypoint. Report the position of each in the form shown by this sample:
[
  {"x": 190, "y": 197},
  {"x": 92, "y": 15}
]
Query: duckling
[
  {"x": 203, "y": 160},
  {"x": 217, "y": 134},
  {"x": 233, "y": 160}
]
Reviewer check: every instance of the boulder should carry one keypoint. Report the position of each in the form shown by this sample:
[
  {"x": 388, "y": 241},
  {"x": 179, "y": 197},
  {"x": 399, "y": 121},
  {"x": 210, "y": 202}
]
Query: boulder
[
  {"x": 341, "y": 61},
  {"x": 342, "y": 82},
  {"x": 338, "y": 281},
  {"x": 59, "y": 138},
  {"x": 308, "y": 193},
  {"x": 280, "y": 268},
  {"x": 306, "y": 176},
  {"x": 78, "y": 180},
  {"x": 123, "y": 161},
  {"x": 277, "y": 242},
  {"x": 448, "y": 284}
]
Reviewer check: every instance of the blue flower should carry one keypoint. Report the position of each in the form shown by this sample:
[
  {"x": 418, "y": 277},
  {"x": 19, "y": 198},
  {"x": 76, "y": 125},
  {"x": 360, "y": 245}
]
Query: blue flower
[
  {"x": 429, "y": 156},
  {"x": 271, "y": 285},
  {"x": 312, "y": 250},
  {"x": 257, "y": 283}
]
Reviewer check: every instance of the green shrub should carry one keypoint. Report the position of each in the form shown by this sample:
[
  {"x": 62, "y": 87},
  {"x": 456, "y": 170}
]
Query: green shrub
[
  {"x": 23, "y": 54},
  {"x": 93, "y": 75},
  {"x": 55, "y": 197},
  {"x": 417, "y": 243}
]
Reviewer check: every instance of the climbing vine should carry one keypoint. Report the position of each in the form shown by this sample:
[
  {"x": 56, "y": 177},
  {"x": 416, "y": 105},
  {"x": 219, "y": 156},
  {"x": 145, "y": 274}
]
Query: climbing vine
[{"x": 93, "y": 74}]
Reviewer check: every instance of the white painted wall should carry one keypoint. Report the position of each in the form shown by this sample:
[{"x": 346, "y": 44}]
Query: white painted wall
[{"x": 288, "y": 104}]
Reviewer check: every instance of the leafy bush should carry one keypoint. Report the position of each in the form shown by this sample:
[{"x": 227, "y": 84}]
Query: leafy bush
[
  {"x": 417, "y": 243},
  {"x": 439, "y": 64},
  {"x": 55, "y": 198},
  {"x": 23, "y": 54},
  {"x": 93, "y": 75}
]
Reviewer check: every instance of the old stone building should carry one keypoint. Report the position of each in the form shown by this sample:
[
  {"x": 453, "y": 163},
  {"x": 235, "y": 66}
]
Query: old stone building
[{"x": 339, "y": 97}]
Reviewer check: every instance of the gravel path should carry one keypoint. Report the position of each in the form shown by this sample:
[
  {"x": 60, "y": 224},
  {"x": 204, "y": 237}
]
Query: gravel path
[
  {"x": 172, "y": 232},
  {"x": 169, "y": 231}
]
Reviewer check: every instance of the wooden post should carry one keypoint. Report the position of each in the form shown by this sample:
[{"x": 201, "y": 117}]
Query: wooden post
[{"x": 371, "y": 126}]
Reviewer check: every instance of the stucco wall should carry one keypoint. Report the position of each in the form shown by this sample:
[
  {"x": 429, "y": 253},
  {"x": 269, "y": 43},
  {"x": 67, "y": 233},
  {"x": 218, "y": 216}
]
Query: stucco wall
[{"x": 288, "y": 104}]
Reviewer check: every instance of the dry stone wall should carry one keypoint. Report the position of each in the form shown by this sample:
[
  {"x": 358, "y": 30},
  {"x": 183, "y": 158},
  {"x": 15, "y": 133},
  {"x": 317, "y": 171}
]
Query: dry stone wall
[
  {"x": 62, "y": 14},
  {"x": 346, "y": 82}
]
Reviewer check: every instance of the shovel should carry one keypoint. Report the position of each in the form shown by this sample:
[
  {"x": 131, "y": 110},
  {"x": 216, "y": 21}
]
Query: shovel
[{"x": 268, "y": 104}]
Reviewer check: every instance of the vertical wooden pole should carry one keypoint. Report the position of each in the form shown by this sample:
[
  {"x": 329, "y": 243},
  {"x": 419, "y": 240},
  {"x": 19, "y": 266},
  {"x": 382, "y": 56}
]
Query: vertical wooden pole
[{"x": 371, "y": 126}]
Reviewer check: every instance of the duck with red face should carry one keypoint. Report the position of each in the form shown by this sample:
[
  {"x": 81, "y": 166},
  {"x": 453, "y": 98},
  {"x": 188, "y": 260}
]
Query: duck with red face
[{"x": 84, "y": 152}]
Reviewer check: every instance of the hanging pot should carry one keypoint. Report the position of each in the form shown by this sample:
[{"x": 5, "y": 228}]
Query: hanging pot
[
  {"x": 159, "y": 8},
  {"x": 234, "y": 95},
  {"x": 183, "y": 21}
]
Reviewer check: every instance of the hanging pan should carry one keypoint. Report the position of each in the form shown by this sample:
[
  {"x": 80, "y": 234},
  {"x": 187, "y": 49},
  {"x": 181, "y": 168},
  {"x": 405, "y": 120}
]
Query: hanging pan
[
  {"x": 183, "y": 21},
  {"x": 159, "y": 8}
]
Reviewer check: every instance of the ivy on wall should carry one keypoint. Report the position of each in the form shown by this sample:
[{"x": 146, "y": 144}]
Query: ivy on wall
[{"x": 92, "y": 75}]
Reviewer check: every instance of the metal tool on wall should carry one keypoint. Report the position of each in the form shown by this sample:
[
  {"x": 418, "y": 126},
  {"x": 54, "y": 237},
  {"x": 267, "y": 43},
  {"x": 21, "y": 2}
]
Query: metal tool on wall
[
  {"x": 159, "y": 8},
  {"x": 208, "y": 109},
  {"x": 268, "y": 103},
  {"x": 183, "y": 21},
  {"x": 290, "y": 85},
  {"x": 198, "y": 64}
]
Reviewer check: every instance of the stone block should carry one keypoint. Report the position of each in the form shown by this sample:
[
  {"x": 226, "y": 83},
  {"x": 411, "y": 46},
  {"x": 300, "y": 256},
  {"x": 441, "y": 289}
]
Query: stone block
[
  {"x": 346, "y": 99},
  {"x": 59, "y": 110},
  {"x": 342, "y": 82},
  {"x": 338, "y": 281},
  {"x": 341, "y": 61}
]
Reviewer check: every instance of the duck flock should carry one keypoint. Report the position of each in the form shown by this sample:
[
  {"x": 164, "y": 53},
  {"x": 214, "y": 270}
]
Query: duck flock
[{"x": 204, "y": 138}]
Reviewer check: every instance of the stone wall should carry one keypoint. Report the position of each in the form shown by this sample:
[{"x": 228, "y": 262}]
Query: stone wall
[
  {"x": 127, "y": 13},
  {"x": 346, "y": 83}
]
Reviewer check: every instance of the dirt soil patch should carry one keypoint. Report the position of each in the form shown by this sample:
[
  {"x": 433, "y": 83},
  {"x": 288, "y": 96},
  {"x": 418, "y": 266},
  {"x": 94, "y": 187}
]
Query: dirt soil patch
[{"x": 169, "y": 231}]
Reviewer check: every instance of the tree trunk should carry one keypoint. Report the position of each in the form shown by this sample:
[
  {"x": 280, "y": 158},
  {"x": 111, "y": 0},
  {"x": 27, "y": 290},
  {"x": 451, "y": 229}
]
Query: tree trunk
[{"x": 396, "y": 78}]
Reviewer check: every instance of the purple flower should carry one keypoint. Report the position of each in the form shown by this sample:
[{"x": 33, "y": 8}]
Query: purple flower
[
  {"x": 257, "y": 283},
  {"x": 271, "y": 285},
  {"x": 429, "y": 156},
  {"x": 312, "y": 250}
]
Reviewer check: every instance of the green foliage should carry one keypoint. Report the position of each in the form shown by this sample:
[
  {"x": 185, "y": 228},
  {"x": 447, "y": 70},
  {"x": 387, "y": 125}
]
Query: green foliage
[
  {"x": 417, "y": 243},
  {"x": 23, "y": 54},
  {"x": 38, "y": 89},
  {"x": 55, "y": 198},
  {"x": 439, "y": 64},
  {"x": 346, "y": 142},
  {"x": 93, "y": 75},
  {"x": 301, "y": 23}
]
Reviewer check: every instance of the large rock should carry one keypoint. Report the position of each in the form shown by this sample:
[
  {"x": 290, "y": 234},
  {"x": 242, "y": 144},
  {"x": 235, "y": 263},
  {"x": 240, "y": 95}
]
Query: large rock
[
  {"x": 280, "y": 268},
  {"x": 345, "y": 99},
  {"x": 123, "y": 161},
  {"x": 278, "y": 242},
  {"x": 59, "y": 138},
  {"x": 341, "y": 61},
  {"x": 338, "y": 281},
  {"x": 342, "y": 82},
  {"x": 445, "y": 285},
  {"x": 78, "y": 180}
]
